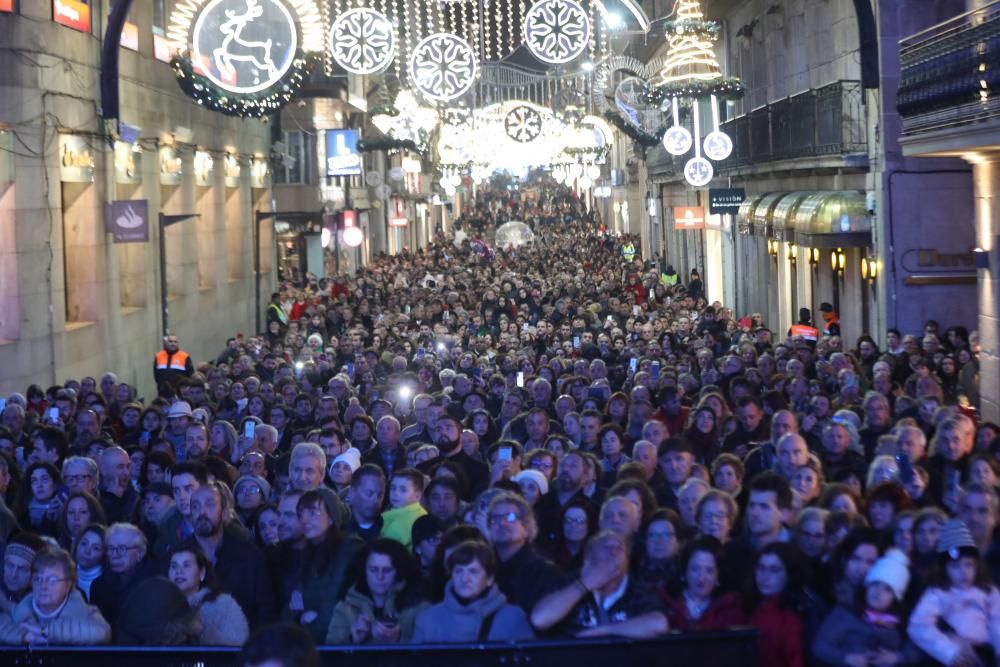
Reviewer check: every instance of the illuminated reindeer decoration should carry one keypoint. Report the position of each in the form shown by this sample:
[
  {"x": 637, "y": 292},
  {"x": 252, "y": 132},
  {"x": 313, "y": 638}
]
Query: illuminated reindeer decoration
[{"x": 235, "y": 48}]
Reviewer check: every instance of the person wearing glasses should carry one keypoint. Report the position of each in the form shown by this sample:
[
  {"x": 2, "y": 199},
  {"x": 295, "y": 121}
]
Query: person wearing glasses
[
  {"x": 126, "y": 548},
  {"x": 55, "y": 612},
  {"x": 523, "y": 574}
]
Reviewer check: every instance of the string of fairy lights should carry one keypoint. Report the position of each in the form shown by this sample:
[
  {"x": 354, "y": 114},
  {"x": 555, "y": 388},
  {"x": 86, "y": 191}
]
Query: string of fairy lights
[{"x": 234, "y": 63}]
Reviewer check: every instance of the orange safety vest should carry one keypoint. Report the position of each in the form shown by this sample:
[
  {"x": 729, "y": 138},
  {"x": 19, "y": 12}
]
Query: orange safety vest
[
  {"x": 178, "y": 362},
  {"x": 806, "y": 331}
]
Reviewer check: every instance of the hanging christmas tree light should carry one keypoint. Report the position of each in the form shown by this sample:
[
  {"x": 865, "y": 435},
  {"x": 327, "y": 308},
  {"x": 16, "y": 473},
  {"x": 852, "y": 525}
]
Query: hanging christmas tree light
[{"x": 690, "y": 74}]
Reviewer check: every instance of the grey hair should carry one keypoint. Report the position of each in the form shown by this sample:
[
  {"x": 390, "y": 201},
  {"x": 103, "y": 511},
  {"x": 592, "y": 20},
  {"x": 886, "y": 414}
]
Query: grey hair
[{"x": 304, "y": 449}]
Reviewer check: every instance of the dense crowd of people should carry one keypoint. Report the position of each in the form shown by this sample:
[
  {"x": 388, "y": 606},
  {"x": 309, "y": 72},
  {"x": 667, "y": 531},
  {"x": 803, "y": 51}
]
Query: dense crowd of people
[{"x": 552, "y": 440}]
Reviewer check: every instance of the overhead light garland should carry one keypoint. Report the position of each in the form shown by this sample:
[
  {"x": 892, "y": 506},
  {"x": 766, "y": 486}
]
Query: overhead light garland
[
  {"x": 390, "y": 144},
  {"x": 245, "y": 58},
  {"x": 689, "y": 74},
  {"x": 206, "y": 93}
]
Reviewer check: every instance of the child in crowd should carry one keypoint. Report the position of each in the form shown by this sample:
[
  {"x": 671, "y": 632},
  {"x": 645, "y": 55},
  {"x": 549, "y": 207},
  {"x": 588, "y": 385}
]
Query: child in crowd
[
  {"x": 957, "y": 621},
  {"x": 873, "y": 634},
  {"x": 405, "y": 491}
]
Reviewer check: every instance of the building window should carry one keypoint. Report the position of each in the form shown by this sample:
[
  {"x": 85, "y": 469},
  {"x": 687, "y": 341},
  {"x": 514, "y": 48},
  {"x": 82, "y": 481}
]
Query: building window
[
  {"x": 297, "y": 169},
  {"x": 162, "y": 48},
  {"x": 159, "y": 17},
  {"x": 10, "y": 300}
]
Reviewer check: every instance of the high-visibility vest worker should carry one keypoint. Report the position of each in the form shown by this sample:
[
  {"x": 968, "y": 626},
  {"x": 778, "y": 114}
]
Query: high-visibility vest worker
[
  {"x": 807, "y": 332},
  {"x": 171, "y": 362}
]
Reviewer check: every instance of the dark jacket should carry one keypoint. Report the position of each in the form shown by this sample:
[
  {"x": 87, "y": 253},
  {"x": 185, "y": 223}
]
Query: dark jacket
[
  {"x": 527, "y": 577},
  {"x": 119, "y": 508},
  {"x": 476, "y": 472},
  {"x": 109, "y": 590},
  {"x": 851, "y": 461},
  {"x": 637, "y": 600},
  {"x": 742, "y": 438},
  {"x": 242, "y": 573},
  {"x": 374, "y": 456},
  {"x": 844, "y": 632},
  {"x": 321, "y": 591}
]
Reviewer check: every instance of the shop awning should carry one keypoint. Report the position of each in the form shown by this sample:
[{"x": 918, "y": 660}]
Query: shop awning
[
  {"x": 784, "y": 215},
  {"x": 833, "y": 219},
  {"x": 763, "y": 214},
  {"x": 744, "y": 217}
]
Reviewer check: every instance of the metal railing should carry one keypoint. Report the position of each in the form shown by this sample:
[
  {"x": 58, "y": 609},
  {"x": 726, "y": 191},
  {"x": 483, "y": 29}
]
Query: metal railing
[
  {"x": 949, "y": 74},
  {"x": 818, "y": 122},
  {"x": 733, "y": 648}
]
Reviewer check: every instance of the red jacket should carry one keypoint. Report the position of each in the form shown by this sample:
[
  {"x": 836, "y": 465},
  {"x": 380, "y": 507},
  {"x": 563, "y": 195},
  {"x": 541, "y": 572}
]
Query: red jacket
[
  {"x": 639, "y": 291},
  {"x": 298, "y": 310},
  {"x": 780, "y": 634},
  {"x": 675, "y": 425},
  {"x": 725, "y": 611}
]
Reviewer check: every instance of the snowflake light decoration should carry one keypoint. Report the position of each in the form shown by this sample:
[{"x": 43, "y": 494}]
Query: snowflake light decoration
[
  {"x": 443, "y": 67},
  {"x": 556, "y": 31},
  {"x": 698, "y": 171},
  {"x": 362, "y": 41},
  {"x": 523, "y": 124}
]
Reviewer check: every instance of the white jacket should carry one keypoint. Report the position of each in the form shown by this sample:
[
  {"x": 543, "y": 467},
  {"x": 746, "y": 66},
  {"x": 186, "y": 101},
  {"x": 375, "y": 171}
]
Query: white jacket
[{"x": 973, "y": 615}]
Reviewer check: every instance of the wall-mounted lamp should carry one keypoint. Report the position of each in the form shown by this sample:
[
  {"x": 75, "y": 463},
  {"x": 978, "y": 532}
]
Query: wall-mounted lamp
[
  {"x": 793, "y": 254},
  {"x": 772, "y": 248},
  {"x": 838, "y": 260},
  {"x": 869, "y": 268},
  {"x": 813, "y": 255}
]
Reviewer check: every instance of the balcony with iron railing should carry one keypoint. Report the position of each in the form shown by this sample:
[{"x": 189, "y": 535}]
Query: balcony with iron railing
[
  {"x": 818, "y": 123},
  {"x": 950, "y": 73},
  {"x": 826, "y": 123}
]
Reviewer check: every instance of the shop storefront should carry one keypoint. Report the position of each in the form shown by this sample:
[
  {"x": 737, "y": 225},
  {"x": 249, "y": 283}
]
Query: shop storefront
[{"x": 805, "y": 248}]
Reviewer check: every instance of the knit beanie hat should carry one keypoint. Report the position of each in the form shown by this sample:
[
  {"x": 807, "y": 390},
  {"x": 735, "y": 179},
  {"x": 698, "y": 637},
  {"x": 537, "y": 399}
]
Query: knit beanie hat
[
  {"x": 956, "y": 541},
  {"x": 351, "y": 456},
  {"x": 22, "y": 551},
  {"x": 535, "y": 476},
  {"x": 893, "y": 570},
  {"x": 261, "y": 483}
]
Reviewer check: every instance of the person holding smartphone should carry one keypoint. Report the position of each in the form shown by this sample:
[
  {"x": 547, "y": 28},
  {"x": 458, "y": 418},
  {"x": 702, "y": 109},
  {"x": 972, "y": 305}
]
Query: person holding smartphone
[{"x": 381, "y": 606}]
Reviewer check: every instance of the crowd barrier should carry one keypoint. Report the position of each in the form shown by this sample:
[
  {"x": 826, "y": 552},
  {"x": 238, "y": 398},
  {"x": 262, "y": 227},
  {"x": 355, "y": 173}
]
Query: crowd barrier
[{"x": 733, "y": 648}]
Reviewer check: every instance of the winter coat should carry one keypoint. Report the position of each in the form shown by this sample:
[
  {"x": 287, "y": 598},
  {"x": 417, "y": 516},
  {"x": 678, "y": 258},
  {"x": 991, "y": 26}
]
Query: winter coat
[
  {"x": 241, "y": 572},
  {"x": 358, "y": 604},
  {"x": 451, "y": 621},
  {"x": 844, "y": 632},
  {"x": 223, "y": 622},
  {"x": 972, "y": 614},
  {"x": 526, "y": 577},
  {"x": 725, "y": 611},
  {"x": 77, "y": 623},
  {"x": 397, "y": 524},
  {"x": 108, "y": 592},
  {"x": 780, "y": 634},
  {"x": 321, "y": 591}
]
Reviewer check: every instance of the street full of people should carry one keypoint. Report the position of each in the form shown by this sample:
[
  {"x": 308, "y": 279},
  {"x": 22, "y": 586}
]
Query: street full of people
[{"x": 556, "y": 440}]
